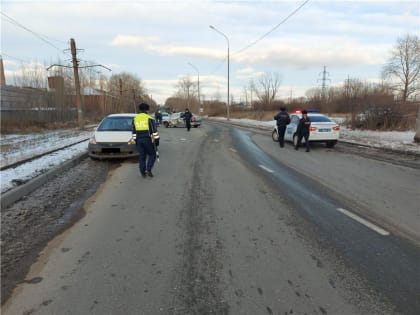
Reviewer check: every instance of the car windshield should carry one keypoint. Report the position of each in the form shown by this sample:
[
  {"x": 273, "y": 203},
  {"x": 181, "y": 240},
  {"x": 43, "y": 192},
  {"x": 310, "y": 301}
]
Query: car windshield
[
  {"x": 319, "y": 119},
  {"x": 116, "y": 124}
]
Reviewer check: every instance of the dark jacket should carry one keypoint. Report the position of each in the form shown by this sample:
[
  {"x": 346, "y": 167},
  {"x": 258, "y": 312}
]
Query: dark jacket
[
  {"x": 282, "y": 118},
  {"x": 187, "y": 116},
  {"x": 304, "y": 126},
  {"x": 158, "y": 116}
]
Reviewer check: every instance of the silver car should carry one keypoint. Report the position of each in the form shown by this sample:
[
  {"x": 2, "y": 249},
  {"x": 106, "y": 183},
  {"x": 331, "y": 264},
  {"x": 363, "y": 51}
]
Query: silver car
[{"x": 177, "y": 120}]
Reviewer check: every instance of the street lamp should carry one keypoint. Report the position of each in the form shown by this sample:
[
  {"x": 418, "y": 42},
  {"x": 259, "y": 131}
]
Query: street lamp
[
  {"x": 198, "y": 84},
  {"x": 215, "y": 29}
]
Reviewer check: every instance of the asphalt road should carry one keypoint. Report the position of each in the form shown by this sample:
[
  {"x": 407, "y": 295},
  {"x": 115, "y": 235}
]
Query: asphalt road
[{"x": 227, "y": 226}]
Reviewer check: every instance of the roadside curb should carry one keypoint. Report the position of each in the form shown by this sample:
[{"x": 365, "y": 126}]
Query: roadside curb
[
  {"x": 13, "y": 195},
  {"x": 350, "y": 142},
  {"x": 398, "y": 151}
]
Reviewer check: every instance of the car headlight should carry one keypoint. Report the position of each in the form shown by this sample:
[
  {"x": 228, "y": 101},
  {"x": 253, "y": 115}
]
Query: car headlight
[{"x": 92, "y": 140}]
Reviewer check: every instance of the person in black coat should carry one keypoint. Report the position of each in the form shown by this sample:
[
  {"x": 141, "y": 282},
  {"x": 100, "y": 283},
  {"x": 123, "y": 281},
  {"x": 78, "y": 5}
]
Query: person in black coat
[
  {"x": 303, "y": 130},
  {"x": 158, "y": 117},
  {"x": 187, "y": 117},
  {"x": 283, "y": 119}
]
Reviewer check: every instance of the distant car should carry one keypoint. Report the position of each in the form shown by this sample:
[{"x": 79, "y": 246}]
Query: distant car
[
  {"x": 112, "y": 138},
  {"x": 323, "y": 129},
  {"x": 195, "y": 121},
  {"x": 177, "y": 120},
  {"x": 165, "y": 118}
]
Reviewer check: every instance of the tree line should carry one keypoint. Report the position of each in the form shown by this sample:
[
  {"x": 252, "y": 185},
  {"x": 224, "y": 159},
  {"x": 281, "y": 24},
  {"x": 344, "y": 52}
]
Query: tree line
[
  {"x": 392, "y": 103},
  {"x": 395, "y": 96}
]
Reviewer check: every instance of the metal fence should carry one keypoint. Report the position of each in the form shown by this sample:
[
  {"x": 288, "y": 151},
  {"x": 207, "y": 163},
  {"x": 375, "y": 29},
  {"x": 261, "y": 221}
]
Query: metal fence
[{"x": 25, "y": 107}]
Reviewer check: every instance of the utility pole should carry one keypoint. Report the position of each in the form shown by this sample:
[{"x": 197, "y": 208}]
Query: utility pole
[
  {"x": 77, "y": 83},
  {"x": 228, "y": 69},
  {"x": 134, "y": 100},
  {"x": 350, "y": 101},
  {"x": 121, "y": 94}
]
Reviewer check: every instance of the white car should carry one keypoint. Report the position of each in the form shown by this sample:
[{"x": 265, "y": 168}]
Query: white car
[
  {"x": 323, "y": 129},
  {"x": 177, "y": 120},
  {"x": 112, "y": 138},
  {"x": 165, "y": 118}
]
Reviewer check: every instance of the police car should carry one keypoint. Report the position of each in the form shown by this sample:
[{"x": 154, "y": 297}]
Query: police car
[
  {"x": 112, "y": 138},
  {"x": 323, "y": 129}
]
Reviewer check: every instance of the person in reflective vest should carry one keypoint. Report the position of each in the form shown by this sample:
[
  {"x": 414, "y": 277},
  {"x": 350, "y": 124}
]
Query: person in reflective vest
[{"x": 147, "y": 139}]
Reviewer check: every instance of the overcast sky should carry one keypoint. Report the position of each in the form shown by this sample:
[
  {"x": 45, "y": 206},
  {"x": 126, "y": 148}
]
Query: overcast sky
[{"x": 158, "y": 40}]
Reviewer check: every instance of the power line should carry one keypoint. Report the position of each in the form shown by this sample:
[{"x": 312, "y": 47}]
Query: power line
[
  {"x": 41, "y": 37},
  {"x": 13, "y": 57},
  {"x": 273, "y": 29},
  {"x": 262, "y": 37}
]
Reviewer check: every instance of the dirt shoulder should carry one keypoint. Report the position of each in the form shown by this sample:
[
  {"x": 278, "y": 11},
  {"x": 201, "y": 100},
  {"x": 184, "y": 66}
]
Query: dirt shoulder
[{"x": 28, "y": 225}]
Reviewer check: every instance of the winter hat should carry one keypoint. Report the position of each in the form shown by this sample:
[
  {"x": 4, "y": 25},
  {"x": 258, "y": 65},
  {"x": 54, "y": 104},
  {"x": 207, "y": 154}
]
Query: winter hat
[{"x": 144, "y": 107}]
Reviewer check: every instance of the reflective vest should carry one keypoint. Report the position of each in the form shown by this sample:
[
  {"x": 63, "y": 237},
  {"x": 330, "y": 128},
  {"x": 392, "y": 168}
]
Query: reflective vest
[{"x": 141, "y": 122}]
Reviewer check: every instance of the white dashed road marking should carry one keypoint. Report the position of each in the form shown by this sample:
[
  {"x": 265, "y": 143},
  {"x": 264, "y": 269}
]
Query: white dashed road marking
[
  {"x": 366, "y": 223},
  {"x": 266, "y": 168},
  {"x": 233, "y": 150}
]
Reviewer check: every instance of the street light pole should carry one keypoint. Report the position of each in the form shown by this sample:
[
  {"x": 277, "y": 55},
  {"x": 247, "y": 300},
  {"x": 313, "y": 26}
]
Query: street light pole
[
  {"x": 198, "y": 84},
  {"x": 228, "y": 69}
]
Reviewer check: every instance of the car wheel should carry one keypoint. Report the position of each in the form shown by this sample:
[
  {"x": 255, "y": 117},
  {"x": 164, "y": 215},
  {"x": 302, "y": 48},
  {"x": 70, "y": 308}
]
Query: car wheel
[
  {"x": 166, "y": 124},
  {"x": 295, "y": 140},
  {"x": 331, "y": 143},
  {"x": 275, "y": 136}
]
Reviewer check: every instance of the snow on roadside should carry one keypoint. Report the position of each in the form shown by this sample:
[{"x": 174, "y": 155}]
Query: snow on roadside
[
  {"x": 15, "y": 176},
  {"x": 17, "y": 147},
  {"x": 394, "y": 140}
]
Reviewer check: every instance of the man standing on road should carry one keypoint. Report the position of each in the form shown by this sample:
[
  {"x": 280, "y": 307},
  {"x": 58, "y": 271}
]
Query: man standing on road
[
  {"x": 283, "y": 119},
  {"x": 158, "y": 117},
  {"x": 147, "y": 139},
  {"x": 303, "y": 130},
  {"x": 187, "y": 117}
]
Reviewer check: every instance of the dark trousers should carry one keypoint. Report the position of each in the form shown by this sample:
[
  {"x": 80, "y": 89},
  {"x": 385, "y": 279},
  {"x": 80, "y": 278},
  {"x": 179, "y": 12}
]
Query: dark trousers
[
  {"x": 306, "y": 136},
  {"x": 188, "y": 123},
  {"x": 147, "y": 154},
  {"x": 282, "y": 130}
]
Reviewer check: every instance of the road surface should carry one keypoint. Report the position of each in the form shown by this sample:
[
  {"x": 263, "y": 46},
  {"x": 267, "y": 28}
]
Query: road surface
[{"x": 232, "y": 224}]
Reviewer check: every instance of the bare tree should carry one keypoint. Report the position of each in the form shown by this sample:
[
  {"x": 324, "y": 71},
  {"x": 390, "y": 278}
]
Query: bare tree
[
  {"x": 89, "y": 76},
  {"x": 404, "y": 66},
  {"x": 33, "y": 75},
  {"x": 247, "y": 91},
  {"x": 187, "y": 92},
  {"x": 129, "y": 88},
  {"x": 129, "y": 81},
  {"x": 269, "y": 85},
  {"x": 352, "y": 92}
]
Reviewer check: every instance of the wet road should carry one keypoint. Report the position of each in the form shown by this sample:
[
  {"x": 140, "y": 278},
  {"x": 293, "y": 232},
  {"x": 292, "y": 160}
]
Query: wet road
[{"x": 224, "y": 227}]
